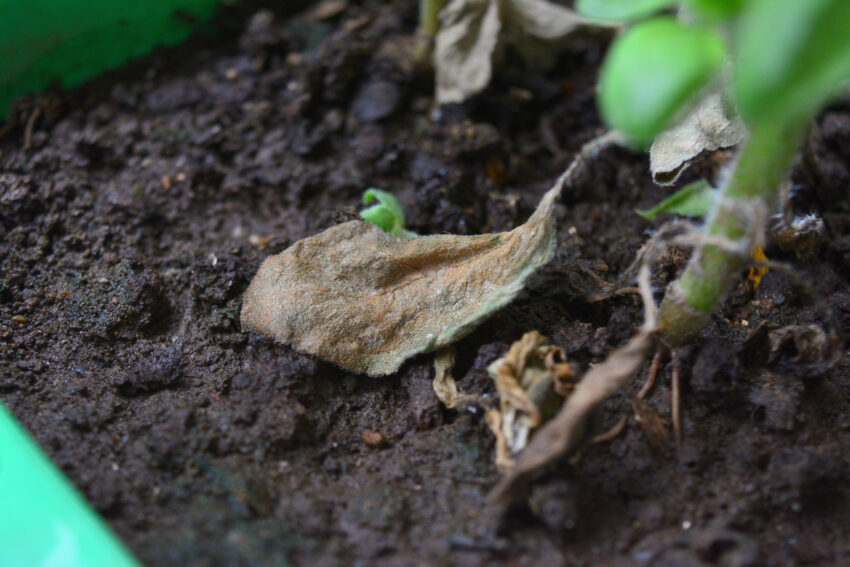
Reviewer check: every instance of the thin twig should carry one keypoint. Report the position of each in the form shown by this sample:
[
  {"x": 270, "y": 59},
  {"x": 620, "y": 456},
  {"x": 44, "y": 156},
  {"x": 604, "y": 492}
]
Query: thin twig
[
  {"x": 612, "y": 433},
  {"x": 30, "y": 127},
  {"x": 675, "y": 399},
  {"x": 653, "y": 373}
]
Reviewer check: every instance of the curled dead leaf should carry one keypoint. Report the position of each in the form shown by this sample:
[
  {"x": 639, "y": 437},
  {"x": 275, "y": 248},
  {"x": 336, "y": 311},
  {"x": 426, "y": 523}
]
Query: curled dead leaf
[
  {"x": 445, "y": 386},
  {"x": 566, "y": 432},
  {"x": 470, "y": 35},
  {"x": 537, "y": 27},
  {"x": 464, "y": 46},
  {"x": 367, "y": 301},
  {"x": 532, "y": 380},
  {"x": 708, "y": 126}
]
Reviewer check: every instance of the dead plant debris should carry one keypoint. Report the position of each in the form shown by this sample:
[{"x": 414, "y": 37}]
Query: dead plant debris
[
  {"x": 367, "y": 301},
  {"x": 472, "y": 33},
  {"x": 445, "y": 386},
  {"x": 532, "y": 379},
  {"x": 707, "y": 127},
  {"x": 566, "y": 432}
]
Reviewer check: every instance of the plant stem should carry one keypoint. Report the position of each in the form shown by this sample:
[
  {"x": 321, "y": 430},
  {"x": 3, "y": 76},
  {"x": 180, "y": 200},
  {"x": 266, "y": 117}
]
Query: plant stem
[
  {"x": 429, "y": 21},
  {"x": 746, "y": 199}
]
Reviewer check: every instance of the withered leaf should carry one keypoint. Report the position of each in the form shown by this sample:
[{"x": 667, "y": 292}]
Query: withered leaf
[
  {"x": 470, "y": 36},
  {"x": 538, "y": 27},
  {"x": 565, "y": 433},
  {"x": 463, "y": 50},
  {"x": 367, "y": 300},
  {"x": 444, "y": 384},
  {"x": 707, "y": 127},
  {"x": 532, "y": 380}
]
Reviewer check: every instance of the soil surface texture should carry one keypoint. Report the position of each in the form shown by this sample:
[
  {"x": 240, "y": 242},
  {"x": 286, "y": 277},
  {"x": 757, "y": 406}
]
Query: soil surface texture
[{"x": 135, "y": 211}]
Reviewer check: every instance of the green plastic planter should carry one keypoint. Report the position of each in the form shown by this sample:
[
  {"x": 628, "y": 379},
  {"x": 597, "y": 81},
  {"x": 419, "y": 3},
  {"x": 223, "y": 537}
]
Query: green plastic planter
[
  {"x": 44, "y": 522},
  {"x": 70, "y": 41}
]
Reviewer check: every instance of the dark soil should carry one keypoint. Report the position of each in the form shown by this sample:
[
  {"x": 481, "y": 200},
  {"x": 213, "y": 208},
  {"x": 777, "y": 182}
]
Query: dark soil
[{"x": 137, "y": 209}]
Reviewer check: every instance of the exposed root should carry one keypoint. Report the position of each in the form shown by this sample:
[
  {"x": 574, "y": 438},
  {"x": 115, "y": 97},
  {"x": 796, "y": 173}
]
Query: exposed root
[
  {"x": 653, "y": 373},
  {"x": 653, "y": 426},
  {"x": 612, "y": 433},
  {"x": 675, "y": 400}
]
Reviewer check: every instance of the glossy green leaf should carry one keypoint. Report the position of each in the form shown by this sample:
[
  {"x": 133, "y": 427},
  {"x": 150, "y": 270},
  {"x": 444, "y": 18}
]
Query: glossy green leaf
[
  {"x": 387, "y": 214},
  {"x": 620, "y": 10},
  {"x": 793, "y": 55},
  {"x": 693, "y": 200},
  {"x": 715, "y": 9},
  {"x": 651, "y": 71}
]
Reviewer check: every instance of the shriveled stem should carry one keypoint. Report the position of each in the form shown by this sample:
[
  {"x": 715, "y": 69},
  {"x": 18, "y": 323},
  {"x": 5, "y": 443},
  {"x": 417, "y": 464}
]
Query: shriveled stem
[{"x": 738, "y": 219}]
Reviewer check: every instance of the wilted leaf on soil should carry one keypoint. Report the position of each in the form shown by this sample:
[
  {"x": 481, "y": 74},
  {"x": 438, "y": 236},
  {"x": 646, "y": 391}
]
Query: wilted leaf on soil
[
  {"x": 367, "y": 300},
  {"x": 536, "y": 27},
  {"x": 445, "y": 386},
  {"x": 566, "y": 432},
  {"x": 469, "y": 36},
  {"x": 707, "y": 127},
  {"x": 469, "y": 32},
  {"x": 532, "y": 380}
]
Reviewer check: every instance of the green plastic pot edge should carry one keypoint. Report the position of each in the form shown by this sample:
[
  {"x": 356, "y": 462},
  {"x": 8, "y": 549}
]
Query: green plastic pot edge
[
  {"x": 71, "y": 41},
  {"x": 44, "y": 522}
]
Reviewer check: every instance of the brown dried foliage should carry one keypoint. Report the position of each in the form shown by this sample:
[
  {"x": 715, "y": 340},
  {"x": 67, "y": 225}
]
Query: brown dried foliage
[{"x": 367, "y": 300}]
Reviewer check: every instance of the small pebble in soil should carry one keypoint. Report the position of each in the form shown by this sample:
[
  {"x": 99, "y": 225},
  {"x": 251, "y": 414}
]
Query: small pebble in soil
[
  {"x": 19, "y": 319},
  {"x": 376, "y": 100},
  {"x": 374, "y": 439}
]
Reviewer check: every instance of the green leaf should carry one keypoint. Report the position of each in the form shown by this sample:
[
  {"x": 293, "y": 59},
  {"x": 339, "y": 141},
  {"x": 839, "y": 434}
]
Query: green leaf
[
  {"x": 387, "y": 214},
  {"x": 693, "y": 200},
  {"x": 620, "y": 10},
  {"x": 793, "y": 55},
  {"x": 651, "y": 71},
  {"x": 714, "y": 10}
]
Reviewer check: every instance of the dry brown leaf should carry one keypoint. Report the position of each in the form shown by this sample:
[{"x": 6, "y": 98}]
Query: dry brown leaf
[
  {"x": 367, "y": 300},
  {"x": 707, "y": 127},
  {"x": 531, "y": 379},
  {"x": 469, "y": 36},
  {"x": 445, "y": 387},
  {"x": 565, "y": 433},
  {"x": 537, "y": 27},
  {"x": 463, "y": 49}
]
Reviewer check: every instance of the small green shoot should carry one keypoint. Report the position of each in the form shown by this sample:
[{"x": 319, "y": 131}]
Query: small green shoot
[
  {"x": 386, "y": 214},
  {"x": 693, "y": 200}
]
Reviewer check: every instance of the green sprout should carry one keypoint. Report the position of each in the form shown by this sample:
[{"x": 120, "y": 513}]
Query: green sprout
[
  {"x": 777, "y": 62},
  {"x": 387, "y": 213}
]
